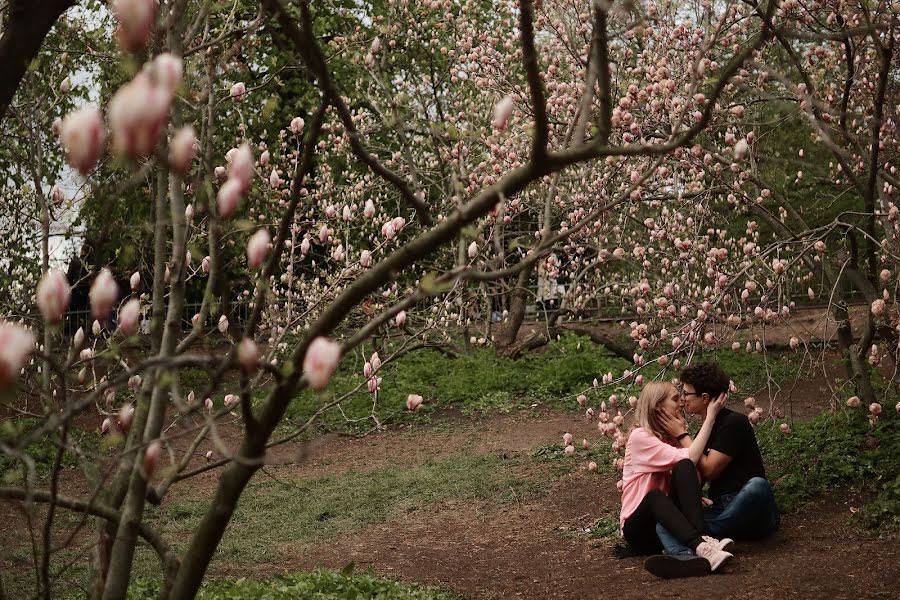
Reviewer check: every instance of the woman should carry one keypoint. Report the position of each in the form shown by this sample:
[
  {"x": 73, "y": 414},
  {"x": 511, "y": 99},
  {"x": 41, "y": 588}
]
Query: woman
[{"x": 661, "y": 484}]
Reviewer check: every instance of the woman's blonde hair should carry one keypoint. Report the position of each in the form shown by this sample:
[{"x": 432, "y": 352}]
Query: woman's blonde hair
[{"x": 645, "y": 414}]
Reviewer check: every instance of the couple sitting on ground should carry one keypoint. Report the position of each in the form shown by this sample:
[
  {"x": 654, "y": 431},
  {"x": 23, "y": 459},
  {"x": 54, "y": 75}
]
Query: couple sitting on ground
[{"x": 662, "y": 506}]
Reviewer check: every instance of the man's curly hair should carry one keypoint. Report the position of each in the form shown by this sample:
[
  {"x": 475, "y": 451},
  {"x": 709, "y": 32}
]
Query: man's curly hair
[{"x": 707, "y": 378}]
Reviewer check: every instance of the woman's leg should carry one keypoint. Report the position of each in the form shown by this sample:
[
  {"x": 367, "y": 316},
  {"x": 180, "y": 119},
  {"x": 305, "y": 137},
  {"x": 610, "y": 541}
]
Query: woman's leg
[
  {"x": 656, "y": 507},
  {"x": 684, "y": 490}
]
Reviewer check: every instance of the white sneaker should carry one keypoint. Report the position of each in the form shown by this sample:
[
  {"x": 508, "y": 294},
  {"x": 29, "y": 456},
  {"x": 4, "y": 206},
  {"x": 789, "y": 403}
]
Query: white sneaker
[
  {"x": 725, "y": 544},
  {"x": 716, "y": 557}
]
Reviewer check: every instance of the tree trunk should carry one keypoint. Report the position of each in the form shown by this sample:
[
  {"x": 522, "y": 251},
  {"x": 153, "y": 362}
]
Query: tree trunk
[{"x": 518, "y": 300}]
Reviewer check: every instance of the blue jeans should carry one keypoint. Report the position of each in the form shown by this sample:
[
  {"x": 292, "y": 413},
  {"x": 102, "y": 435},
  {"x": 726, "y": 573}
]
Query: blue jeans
[{"x": 748, "y": 514}]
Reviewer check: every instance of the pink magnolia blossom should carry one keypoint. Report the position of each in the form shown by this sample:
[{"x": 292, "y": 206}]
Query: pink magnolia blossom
[
  {"x": 228, "y": 197},
  {"x": 305, "y": 246},
  {"x": 875, "y": 408},
  {"x": 257, "y": 248},
  {"x": 567, "y": 439},
  {"x": 129, "y": 317},
  {"x": 166, "y": 71},
  {"x": 297, "y": 125},
  {"x": 885, "y": 275},
  {"x": 581, "y": 399},
  {"x": 592, "y": 466},
  {"x": 473, "y": 250},
  {"x": 208, "y": 404},
  {"x": 183, "y": 149},
  {"x": 740, "y": 150},
  {"x": 878, "y": 307},
  {"x": 241, "y": 167},
  {"x": 209, "y": 455},
  {"x": 135, "y": 281},
  {"x": 369, "y": 209},
  {"x": 376, "y": 361},
  {"x": 126, "y": 416},
  {"x": 137, "y": 114},
  {"x": 231, "y": 400},
  {"x": 82, "y": 135},
  {"x": 502, "y": 111},
  {"x": 206, "y": 264},
  {"x": 248, "y": 354},
  {"x": 238, "y": 91},
  {"x": 57, "y": 195},
  {"x": 320, "y": 362},
  {"x": 400, "y": 319},
  {"x": 78, "y": 339},
  {"x": 134, "y": 383},
  {"x": 223, "y": 325},
  {"x": 785, "y": 428},
  {"x": 570, "y": 450},
  {"x": 106, "y": 425},
  {"x": 413, "y": 402},
  {"x": 274, "y": 179},
  {"x": 16, "y": 346},
  {"x": 794, "y": 342},
  {"x": 135, "y": 19},
  {"x": 365, "y": 259},
  {"x": 53, "y": 295},
  {"x": 151, "y": 459},
  {"x": 103, "y": 294}
]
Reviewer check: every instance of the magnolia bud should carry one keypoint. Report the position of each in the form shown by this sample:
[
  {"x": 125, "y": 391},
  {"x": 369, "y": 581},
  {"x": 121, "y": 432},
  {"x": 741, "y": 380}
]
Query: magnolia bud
[
  {"x": 16, "y": 346},
  {"x": 238, "y": 91},
  {"x": 126, "y": 415},
  {"x": 365, "y": 259},
  {"x": 137, "y": 114},
  {"x": 95, "y": 328},
  {"x": 183, "y": 149},
  {"x": 135, "y": 281},
  {"x": 129, "y": 317},
  {"x": 502, "y": 110},
  {"x": 205, "y": 264},
  {"x": 81, "y": 135},
  {"x": 400, "y": 319},
  {"x": 320, "y": 362},
  {"x": 369, "y": 210},
  {"x": 228, "y": 197},
  {"x": 78, "y": 339},
  {"x": 248, "y": 354},
  {"x": 106, "y": 425},
  {"x": 103, "y": 294},
  {"x": 241, "y": 167},
  {"x": 208, "y": 404},
  {"x": 223, "y": 324},
  {"x": 53, "y": 295},
  {"x": 257, "y": 248},
  {"x": 151, "y": 459},
  {"x": 413, "y": 402},
  {"x": 274, "y": 180},
  {"x": 135, "y": 19},
  {"x": 473, "y": 250},
  {"x": 134, "y": 383}
]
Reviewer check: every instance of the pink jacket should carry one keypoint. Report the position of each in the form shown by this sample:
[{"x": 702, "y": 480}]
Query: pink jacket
[{"x": 648, "y": 466}]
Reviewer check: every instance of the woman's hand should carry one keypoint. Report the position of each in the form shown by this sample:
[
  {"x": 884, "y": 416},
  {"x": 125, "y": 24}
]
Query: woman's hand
[
  {"x": 673, "y": 426},
  {"x": 716, "y": 405}
]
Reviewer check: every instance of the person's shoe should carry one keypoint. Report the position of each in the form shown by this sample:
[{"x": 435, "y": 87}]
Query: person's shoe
[
  {"x": 716, "y": 557},
  {"x": 671, "y": 566},
  {"x": 725, "y": 544}
]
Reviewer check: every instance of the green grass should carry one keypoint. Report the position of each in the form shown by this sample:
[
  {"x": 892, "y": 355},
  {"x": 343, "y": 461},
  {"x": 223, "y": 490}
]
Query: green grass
[
  {"x": 316, "y": 509},
  {"x": 320, "y": 584},
  {"x": 837, "y": 450},
  {"x": 478, "y": 382}
]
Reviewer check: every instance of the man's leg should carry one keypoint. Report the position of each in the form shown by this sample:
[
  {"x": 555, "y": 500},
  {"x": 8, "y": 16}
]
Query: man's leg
[
  {"x": 751, "y": 514},
  {"x": 670, "y": 543}
]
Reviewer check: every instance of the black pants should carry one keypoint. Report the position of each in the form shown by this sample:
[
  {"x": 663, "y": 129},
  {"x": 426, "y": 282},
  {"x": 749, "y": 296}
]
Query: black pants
[{"x": 680, "y": 512}]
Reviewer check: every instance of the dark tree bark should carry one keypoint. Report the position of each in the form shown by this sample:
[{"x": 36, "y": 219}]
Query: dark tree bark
[{"x": 24, "y": 30}]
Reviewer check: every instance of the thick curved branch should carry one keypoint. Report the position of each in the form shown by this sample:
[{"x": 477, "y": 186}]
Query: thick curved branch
[
  {"x": 28, "y": 24},
  {"x": 533, "y": 74}
]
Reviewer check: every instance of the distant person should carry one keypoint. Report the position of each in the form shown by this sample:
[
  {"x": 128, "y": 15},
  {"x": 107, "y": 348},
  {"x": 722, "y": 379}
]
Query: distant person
[
  {"x": 661, "y": 486},
  {"x": 743, "y": 504}
]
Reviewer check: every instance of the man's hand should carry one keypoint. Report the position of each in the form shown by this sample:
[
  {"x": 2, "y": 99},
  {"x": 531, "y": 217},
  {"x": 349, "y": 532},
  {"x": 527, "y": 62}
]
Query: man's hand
[
  {"x": 706, "y": 502},
  {"x": 716, "y": 405}
]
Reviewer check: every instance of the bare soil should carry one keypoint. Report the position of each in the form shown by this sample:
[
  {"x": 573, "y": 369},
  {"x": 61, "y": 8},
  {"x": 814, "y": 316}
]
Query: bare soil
[{"x": 538, "y": 549}]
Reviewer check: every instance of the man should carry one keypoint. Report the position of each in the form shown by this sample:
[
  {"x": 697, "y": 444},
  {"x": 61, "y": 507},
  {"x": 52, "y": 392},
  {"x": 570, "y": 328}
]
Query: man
[{"x": 743, "y": 505}]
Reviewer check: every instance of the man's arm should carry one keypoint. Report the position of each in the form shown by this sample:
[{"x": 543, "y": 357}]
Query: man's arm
[{"x": 711, "y": 465}]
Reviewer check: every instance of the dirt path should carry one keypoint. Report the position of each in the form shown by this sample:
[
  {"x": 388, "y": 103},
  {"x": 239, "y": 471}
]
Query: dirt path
[{"x": 531, "y": 549}]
